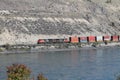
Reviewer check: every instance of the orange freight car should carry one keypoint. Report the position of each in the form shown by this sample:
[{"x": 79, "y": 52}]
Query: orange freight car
[{"x": 74, "y": 39}]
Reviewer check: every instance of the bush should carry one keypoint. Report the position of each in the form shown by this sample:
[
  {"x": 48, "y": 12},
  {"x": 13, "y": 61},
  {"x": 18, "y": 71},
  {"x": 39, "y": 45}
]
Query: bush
[
  {"x": 109, "y": 1},
  {"x": 21, "y": 72},
  {"x": 41, "y": 77},
  {"x": 95, "y": 44},
  {"x": 6, "y": 46},
  {"x": 89, "y": 0},
  {"x": 118, "y": 78},
  {"x": 18, "y": 72}
]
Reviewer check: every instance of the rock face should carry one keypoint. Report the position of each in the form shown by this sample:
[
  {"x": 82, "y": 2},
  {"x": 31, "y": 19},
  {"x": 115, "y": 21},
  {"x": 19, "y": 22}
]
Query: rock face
[{"x": 25, "y": 21}]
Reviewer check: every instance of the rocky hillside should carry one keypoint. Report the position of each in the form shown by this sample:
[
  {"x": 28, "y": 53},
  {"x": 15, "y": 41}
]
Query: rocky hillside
[{"x": 25, "y": 21}]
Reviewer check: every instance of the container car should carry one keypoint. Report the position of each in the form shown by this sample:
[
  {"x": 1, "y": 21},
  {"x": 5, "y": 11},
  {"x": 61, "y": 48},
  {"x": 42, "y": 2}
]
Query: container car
[
  {"x": 106, "y": 38},
  {"x": 99, "y": 38},
  {"x": 114, "y": 38},
  {"x": 91, "y": 39},
  {"x": 83, "y": 40},
  {"x": 74, "y": 39}
]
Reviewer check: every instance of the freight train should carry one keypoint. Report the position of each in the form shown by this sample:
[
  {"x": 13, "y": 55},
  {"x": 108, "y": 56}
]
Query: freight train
[{"x": 75, "y": 39}]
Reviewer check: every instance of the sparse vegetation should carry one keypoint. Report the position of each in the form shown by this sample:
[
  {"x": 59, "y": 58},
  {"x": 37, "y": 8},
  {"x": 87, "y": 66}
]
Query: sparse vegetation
[
  {"x": 21, "y": 72},
  {"x": 118, "y": 77},
  {"x": 6, "y": 46},
  {"x": 1, "y": 49},
  {"x": 77, "y": 17},
  {"x": 41, "y": 77},
  {"x": 109, "y": 1},
  {"x": 95, "y": 44},
  {"x": 18, "y": 72},
  {"x": 112, "y": 24},
  {"x": 89, "y": 0}
]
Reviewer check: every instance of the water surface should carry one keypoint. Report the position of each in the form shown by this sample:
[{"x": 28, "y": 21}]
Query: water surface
[{"x": 83, "y": 64}]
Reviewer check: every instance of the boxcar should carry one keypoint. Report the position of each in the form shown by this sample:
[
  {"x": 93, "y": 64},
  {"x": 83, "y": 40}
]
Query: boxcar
[
  {"x": 74, "y": 39},
  {"x": 83, "y": 39},
  {"x": 114, "y": 38},
  {"x": 91, "y": 39},
  {"x": 99, "y": 38},
  {"x": 107, "y": 38}
]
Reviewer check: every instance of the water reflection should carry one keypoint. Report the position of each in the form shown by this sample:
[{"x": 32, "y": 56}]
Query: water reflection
[
  {"x": 99, "y": 57},
  {"x": 74, "y": 57}
]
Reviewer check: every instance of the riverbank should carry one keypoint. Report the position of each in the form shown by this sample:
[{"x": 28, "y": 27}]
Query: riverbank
[{"x": 9, "y": 49}]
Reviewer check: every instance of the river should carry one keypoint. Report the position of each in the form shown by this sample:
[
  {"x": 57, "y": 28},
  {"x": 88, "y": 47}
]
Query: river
[{"x": 82, "y": 64}]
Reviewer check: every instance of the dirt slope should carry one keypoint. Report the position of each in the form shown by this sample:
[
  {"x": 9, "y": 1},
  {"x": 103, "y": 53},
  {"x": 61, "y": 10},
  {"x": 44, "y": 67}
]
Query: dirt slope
[{"x": 21, "y": 20}]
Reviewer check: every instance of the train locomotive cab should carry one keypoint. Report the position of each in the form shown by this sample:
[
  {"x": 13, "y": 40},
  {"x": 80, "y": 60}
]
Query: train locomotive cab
[
  {"x": 50, "y": 41},
  {"x": 66, "y": 40},
  {"x": 40, "y": 41}
]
